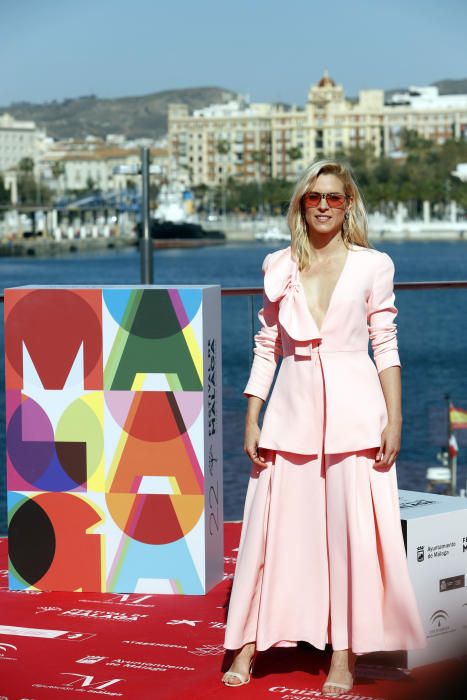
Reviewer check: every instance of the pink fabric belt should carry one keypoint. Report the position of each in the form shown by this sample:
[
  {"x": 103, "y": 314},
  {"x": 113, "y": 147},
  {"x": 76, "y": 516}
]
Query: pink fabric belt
[{"x": 309, "y": 350}]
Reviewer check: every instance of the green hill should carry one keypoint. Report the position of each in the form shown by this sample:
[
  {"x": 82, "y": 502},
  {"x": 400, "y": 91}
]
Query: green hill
[{"x": 135, "y": 117}]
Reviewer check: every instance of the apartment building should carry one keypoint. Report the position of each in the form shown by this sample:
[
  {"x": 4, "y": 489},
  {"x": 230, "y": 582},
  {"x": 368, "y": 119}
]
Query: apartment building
[
  {"x": 18, "y": 140},
  {"x": 255, "y": 141}
]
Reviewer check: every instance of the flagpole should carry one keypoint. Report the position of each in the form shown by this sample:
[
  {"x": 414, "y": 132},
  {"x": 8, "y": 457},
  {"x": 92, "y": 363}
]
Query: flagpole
[{"x": 452, "y": 457}]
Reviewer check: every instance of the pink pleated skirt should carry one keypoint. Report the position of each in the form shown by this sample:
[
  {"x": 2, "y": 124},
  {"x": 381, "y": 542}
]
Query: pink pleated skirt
[{"x": 321, "y": 557}]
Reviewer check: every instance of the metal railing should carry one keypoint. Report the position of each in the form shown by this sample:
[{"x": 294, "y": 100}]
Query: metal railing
[{"x": 415, "y": 286}]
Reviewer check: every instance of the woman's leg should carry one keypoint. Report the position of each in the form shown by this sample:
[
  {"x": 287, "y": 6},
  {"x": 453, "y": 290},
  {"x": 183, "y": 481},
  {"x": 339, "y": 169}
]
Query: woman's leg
[
  {"x": 280, "y": 592},
  {"x": 373, "y": 606},
  {"x": 341, "y": 672}
]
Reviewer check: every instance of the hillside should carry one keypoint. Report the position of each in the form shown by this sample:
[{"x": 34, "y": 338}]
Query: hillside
[
  {"x": 452, "y": 87},
  {"x": 135, "y": 117}
]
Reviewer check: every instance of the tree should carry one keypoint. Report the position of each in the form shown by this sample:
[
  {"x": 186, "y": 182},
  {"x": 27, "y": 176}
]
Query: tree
[
  {"x": 295, "y": 153},
  {"x": 90, "y": 184},
  {"x": 58, "y": 169},
  {"x": 26, "y": 165},
  {"x": 4, "y": 193},
  {"x": 223, "y": 148},
  {"x": 259, "y": 157}
]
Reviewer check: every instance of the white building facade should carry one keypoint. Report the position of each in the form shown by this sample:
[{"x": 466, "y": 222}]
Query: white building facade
[{"x": 18, "y": 140}]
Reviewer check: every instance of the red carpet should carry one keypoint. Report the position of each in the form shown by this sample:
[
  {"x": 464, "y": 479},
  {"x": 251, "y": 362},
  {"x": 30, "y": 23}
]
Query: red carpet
[{"x": 65, "y": 645}]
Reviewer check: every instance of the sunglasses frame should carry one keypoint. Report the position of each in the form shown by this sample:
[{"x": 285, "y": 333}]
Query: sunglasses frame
[{"x": 325, "y": 195}]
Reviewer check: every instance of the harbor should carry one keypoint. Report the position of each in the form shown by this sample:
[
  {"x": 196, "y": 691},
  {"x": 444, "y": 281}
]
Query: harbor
[
  {"x": 214, "y": 444},
  {"x": 59, "y": 234}
]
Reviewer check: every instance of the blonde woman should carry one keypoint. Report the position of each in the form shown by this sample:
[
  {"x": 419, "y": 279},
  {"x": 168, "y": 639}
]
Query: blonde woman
[{"x": 321, "y": 556}]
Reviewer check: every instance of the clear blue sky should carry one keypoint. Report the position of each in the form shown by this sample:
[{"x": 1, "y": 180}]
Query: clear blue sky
[{"x": 271, "y": 50}]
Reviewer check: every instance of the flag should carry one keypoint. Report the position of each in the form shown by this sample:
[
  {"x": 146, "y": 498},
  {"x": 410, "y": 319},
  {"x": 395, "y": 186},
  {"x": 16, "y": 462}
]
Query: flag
[
  {"x": 453, "y": 446},
  {"x": 457, "y": 418}
]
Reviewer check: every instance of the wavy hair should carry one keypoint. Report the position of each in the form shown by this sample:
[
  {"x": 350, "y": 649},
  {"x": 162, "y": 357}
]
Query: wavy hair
[{"x": 355, "y": 226}]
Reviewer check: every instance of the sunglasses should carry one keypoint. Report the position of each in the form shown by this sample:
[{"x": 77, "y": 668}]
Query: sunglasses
[{"x": 333, "y": 199}]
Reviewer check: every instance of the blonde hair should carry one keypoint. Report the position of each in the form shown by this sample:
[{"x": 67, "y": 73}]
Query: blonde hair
[{"x": 354, "y": 228}]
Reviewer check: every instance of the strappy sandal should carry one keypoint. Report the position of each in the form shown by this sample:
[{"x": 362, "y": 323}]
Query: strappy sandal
[
  {"x": 242, "y": 679},
  {"x": 345, "y": 686}
]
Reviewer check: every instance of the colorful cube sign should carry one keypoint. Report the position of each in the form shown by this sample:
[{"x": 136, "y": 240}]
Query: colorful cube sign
[{"x": 114, "y": 438}]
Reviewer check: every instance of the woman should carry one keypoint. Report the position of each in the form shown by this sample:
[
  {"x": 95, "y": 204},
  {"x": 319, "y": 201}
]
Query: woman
[{"x": 321, "y": 555}]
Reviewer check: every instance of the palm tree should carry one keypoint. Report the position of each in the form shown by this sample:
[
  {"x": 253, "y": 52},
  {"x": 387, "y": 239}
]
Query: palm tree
[
  {"x": 26, "y": 165},
  {"x": 223, "y": 148},
  {"x": 259, "y": 157}
]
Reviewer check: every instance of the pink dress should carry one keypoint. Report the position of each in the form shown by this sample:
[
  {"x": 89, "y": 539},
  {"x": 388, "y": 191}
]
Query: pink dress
[{"x": 321, "y": 555}]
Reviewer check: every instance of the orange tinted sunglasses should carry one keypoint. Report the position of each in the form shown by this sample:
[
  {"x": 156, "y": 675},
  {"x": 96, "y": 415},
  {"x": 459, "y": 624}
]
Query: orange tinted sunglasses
[{"x": 334, "y": 199}]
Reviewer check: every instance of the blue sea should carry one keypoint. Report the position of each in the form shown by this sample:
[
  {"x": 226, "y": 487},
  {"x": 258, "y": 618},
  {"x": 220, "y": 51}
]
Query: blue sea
[{"x": 432, "y": 332}]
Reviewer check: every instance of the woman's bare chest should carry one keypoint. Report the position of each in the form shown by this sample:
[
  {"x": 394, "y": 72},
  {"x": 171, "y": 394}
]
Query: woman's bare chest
[{"x": 319, "y": 283}]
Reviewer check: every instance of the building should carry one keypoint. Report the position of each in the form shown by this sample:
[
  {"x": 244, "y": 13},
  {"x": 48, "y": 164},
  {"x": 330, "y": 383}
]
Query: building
[
  {"x": 18, "y": 140},
  {"x": 93, "y": 163},
  {"x": 257, "y": 141}
]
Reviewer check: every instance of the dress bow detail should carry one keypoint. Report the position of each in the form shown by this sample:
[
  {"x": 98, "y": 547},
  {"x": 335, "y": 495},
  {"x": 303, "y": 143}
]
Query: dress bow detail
[{"x": 282, "y": 284}]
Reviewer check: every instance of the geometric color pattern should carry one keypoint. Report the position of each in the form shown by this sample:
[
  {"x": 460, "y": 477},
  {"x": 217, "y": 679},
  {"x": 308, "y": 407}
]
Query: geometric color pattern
[{"x": 114, "y": 438}]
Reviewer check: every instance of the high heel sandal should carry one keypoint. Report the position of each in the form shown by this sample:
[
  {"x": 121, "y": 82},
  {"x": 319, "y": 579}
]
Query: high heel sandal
[
  {"x": 345, "y": 688},
  {"x": 243, "y": 680}
]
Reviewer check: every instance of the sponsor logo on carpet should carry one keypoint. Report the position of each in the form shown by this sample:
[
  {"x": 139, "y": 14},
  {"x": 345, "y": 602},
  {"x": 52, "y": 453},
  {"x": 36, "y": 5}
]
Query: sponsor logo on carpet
[
  {"x": 15, "y": 631},
  {"x": 47, "y": 609},
  {"x": 190, "y": 623},
  {"x": 154, "y": 644},
  {"x": 6, "y": 652},
  {"x": 300, "y": 693},
  {"x": 77, "y": 636},
  {"x": 134, "y": 664},
  {"x": 84, "y": 683},
  {"x": 126, "y": 599},
  {"x": 208, "y": 650},
  {"x": 93, "y": 614},
  {"x": 91, "y": 659}
]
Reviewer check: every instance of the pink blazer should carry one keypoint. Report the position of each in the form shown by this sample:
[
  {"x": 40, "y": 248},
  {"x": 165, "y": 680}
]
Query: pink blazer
[{"x": 361, "y": 310}]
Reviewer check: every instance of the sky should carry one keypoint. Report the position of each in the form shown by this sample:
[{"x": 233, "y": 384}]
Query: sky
[{"x": 269, "y": 50}]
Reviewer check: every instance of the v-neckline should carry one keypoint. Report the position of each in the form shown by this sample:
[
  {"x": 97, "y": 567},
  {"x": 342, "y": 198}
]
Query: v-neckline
[{"x": 333, "y": 293}]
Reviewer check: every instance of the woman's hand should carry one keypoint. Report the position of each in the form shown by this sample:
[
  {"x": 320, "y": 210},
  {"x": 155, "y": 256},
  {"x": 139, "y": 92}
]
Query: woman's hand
[
  {"x": 390, "y": 445},
  {"x": 250, "y": 445}
]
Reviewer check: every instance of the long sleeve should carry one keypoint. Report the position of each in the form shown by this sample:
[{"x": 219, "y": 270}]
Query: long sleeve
[
  {"x": 381, "y": 316},
  {"x": 267, "y": 350}
]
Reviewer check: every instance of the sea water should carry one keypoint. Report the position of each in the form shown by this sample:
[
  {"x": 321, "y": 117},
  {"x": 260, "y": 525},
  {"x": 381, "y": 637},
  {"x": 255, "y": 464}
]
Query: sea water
[{"x": 432, "y": 334}]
